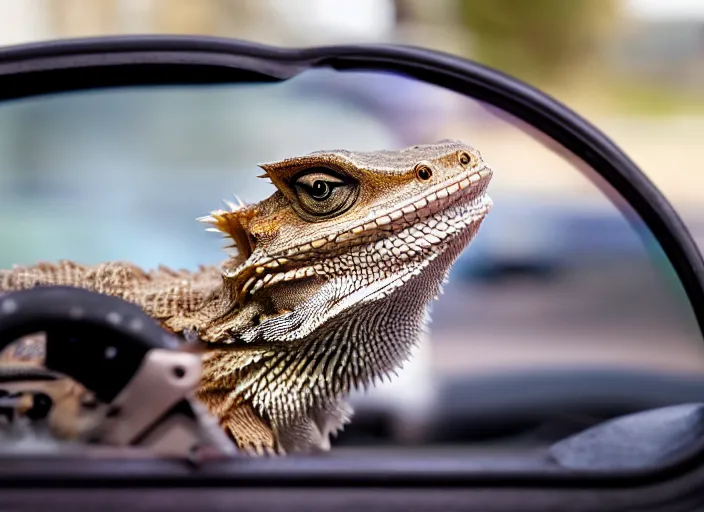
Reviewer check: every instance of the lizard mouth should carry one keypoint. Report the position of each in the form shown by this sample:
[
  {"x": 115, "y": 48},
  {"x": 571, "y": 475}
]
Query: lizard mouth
[{"x": 404, "y": 234}]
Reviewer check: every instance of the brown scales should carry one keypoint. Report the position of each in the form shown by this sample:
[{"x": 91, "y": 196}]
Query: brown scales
[{"x": 286, "y": 320}]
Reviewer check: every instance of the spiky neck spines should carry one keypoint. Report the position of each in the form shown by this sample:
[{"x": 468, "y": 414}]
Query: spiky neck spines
[{"x": 233, "y": 225}]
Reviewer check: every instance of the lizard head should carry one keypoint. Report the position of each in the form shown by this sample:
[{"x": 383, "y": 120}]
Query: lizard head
[{"x": 342, "y": 260}]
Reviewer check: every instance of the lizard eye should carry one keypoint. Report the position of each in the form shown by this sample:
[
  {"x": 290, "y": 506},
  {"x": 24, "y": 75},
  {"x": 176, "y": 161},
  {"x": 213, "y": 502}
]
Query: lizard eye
[{"x": 322, "y": 193}]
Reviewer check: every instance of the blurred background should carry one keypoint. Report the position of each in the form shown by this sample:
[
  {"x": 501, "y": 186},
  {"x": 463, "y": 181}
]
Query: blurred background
[{"x": 563, "y": 311}]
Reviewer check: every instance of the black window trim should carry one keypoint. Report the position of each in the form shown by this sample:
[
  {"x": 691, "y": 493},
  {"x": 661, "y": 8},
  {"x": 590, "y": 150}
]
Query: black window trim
[{"x": 49, "y": 67}]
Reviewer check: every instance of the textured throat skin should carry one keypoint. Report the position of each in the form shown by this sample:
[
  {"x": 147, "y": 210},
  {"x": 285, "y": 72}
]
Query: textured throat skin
[{"x": 328, "y": 289}]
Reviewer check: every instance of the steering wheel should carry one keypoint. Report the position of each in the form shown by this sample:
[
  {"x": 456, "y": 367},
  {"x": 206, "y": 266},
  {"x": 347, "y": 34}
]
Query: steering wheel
[
  {"x": 140, "y": 382},
  {"x": 118, "y": 360}
]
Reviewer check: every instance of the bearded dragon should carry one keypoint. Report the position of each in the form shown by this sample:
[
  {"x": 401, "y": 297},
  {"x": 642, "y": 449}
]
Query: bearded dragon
[{"x": 328, "y": 290}]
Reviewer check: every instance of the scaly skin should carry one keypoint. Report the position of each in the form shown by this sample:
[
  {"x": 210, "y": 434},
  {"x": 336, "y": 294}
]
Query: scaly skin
[{"x": 328, "y": 290}]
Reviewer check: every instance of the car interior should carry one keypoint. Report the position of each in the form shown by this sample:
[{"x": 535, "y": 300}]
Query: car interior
[{"x": 562, "y": 368}]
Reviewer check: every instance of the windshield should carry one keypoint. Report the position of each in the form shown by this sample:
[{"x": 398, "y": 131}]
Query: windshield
[{"x": 563, "y": 289}]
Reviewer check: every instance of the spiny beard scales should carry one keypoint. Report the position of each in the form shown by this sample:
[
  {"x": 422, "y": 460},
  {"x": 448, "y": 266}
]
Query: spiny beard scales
[
  {"x": 354, "y": 349},
  {"x": 351, "y": 351}
]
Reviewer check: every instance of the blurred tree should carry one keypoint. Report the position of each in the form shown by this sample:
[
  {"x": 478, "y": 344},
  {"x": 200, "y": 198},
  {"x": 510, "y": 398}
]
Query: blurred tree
[
  {"x": 537, "y": 40},
  {"x": 78, "y": 18}
]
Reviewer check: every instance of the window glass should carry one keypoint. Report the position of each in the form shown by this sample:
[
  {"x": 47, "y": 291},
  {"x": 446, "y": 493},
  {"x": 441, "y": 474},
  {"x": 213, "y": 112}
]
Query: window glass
[{"x": 562, "y": 285}]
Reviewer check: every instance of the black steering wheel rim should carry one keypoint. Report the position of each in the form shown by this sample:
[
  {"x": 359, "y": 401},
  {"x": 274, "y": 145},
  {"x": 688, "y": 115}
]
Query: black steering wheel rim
[{"x": 97, "y": 340}]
